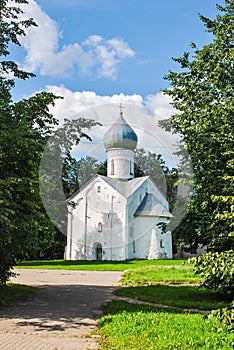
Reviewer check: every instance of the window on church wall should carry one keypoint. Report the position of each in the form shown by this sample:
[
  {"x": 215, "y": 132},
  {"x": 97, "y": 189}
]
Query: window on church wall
[
  {"x": 133, "y": 247},
  {"x": 99, "y": 189},
  {"x": 131, "y": 231},
  {"x": 112, "y": 167},
  {"x": 99, "y": 227},
  {"x": 161, "y": 243},
  {"x": 131, "y": 172}
]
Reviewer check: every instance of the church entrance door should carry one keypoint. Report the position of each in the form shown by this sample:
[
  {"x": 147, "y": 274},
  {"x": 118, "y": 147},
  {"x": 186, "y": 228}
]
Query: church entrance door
[{"x": 97, "y": 251}]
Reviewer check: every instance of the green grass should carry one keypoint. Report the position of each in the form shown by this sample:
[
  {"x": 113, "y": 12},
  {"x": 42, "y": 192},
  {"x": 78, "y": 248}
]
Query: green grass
[
  {"x": 95, "y": 265},
  {"x": 12, "y": 292},
  {"x": 138, "y": 327},
  {"x": 177, "y": 296},
  {"x": 159, "y": 274}
]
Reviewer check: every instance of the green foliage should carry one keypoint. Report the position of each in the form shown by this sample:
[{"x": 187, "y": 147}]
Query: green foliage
[
  {"x": 77, "y": 173},
  {"x": 22, "y": 216},
  {"x": 70, "y": 175},
  {"x": 152, "y": 164},
  {"x": 225, "y": 317},
  {"x": 227, "y": 215},
  {"x": 87, "y": 168},
  {"x": 27, "y": 127},
  {"x": 11, "y": 30},
  {"x": 139, "y": 327},
  {"x": 216, "y": 269},
  {"x": 202, "y": 92}
]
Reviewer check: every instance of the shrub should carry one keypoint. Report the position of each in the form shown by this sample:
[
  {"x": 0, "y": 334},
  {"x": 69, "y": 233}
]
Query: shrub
[
  {"x": 217, "y": 270},
  {"x": 225, "y": 317}
]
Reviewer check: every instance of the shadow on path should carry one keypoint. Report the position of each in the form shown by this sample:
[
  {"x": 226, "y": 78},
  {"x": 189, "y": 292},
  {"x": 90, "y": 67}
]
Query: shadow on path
[
  {"x": 56, "y": 317},
  {"x": 70, "y": 306}
]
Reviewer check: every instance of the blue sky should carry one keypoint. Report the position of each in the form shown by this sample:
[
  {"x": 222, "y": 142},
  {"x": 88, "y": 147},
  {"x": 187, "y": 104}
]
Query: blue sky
[
  {"x": 155, "y": 31},
  {"x": 102, "y": 52}
]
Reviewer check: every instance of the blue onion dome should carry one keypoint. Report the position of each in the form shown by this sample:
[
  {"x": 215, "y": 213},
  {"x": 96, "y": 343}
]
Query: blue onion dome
[{"x": 120, "y": 135}]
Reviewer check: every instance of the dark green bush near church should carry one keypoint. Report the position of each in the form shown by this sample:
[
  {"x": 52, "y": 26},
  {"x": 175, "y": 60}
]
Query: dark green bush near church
[
  {"x": 225, "y": 317},
  {"x": 217, "y": 270}
]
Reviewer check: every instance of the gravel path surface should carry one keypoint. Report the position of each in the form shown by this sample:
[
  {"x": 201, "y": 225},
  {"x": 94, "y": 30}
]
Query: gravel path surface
[{"x": 61, "y": 315}]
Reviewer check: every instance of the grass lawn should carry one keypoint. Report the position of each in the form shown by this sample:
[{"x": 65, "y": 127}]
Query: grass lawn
[
  {"x": 12, "y": 292},
  {"x": 95, "y": 265},
  {"x": 160, "y": 274},
  {"x": 177, "y": 296},
  {"x": 139, "y": 327}
]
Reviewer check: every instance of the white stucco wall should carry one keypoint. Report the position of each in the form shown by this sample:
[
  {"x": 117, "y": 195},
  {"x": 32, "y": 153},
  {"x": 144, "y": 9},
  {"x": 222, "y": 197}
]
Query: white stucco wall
[
  {"x": 150, "y": 243},
  {"x": 144, "y": 237},
  {"x": 99, "y": 217},
  {"x": 104, "y": 217}
]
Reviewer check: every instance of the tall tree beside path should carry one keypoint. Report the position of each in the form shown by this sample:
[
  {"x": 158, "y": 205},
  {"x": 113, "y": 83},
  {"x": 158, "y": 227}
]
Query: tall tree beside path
[
  {"x": 26, "y": 127},
  {"x": 202, "y": 92}
]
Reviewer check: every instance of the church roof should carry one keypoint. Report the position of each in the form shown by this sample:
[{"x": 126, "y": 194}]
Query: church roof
[
  {"x": 120, "y": 135},
  {"x": 126, "y": 188},
  {"x": 150, "y": 206}
]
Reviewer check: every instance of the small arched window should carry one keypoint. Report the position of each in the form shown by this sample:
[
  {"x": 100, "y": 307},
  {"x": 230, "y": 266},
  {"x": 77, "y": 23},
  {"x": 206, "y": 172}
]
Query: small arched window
[
  {"x": 99, "y": 189},
  {"x": 161, "y": 243},
  {"x": 99, "y": 227}
]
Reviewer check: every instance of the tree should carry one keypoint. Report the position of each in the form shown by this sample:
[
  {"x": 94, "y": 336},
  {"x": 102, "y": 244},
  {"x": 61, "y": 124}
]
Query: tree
[
  {"x": 70, "y": 175},
  {"x": 87, "y": 168},
  {"x": 77, "y": 172},
  {"x": 202, "y": 93},
  {"x": 26, "y": 128},
  {"x": 11, "y": 30},
  {"x": 152, "y": 164}
]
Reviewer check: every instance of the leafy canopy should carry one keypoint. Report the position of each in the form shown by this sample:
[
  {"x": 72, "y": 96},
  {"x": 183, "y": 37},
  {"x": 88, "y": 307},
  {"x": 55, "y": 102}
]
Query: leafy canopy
[
  {"x": 202, "y": 93},
  {"x": 26, "y": 128}
]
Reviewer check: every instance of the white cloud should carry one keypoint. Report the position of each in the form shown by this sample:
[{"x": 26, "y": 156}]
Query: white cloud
[
  {"x": 76, "y": 103},
  {"x": 160, "y": 105},
  {"x": 104, "y": 109},
  {"x": 95, "y": 55},
  {"x": 121, "y": 48}
]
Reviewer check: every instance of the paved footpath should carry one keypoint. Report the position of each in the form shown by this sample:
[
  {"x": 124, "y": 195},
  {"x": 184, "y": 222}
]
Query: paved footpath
[{"x": 61, "y": 315}]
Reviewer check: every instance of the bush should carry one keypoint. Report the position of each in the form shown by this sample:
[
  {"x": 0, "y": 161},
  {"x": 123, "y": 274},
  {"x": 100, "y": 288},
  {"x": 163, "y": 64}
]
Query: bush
[
  {"x": 217, "y": 270},
  {"x": 225, "y": 317}
]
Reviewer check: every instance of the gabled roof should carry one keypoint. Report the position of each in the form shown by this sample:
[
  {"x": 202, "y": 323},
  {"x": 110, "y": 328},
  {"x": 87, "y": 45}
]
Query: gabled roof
[
  {"x": 126, "y": 188},
  {"x": 150, "y": 206},
  {"x": 82, "y": 188}
]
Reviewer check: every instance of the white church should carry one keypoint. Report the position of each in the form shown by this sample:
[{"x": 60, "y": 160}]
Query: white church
[{"x": 118, "y": 217}]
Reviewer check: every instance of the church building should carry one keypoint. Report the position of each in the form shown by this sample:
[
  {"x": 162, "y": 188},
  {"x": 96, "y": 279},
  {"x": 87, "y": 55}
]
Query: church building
[{"x": 118, "y": 217}]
